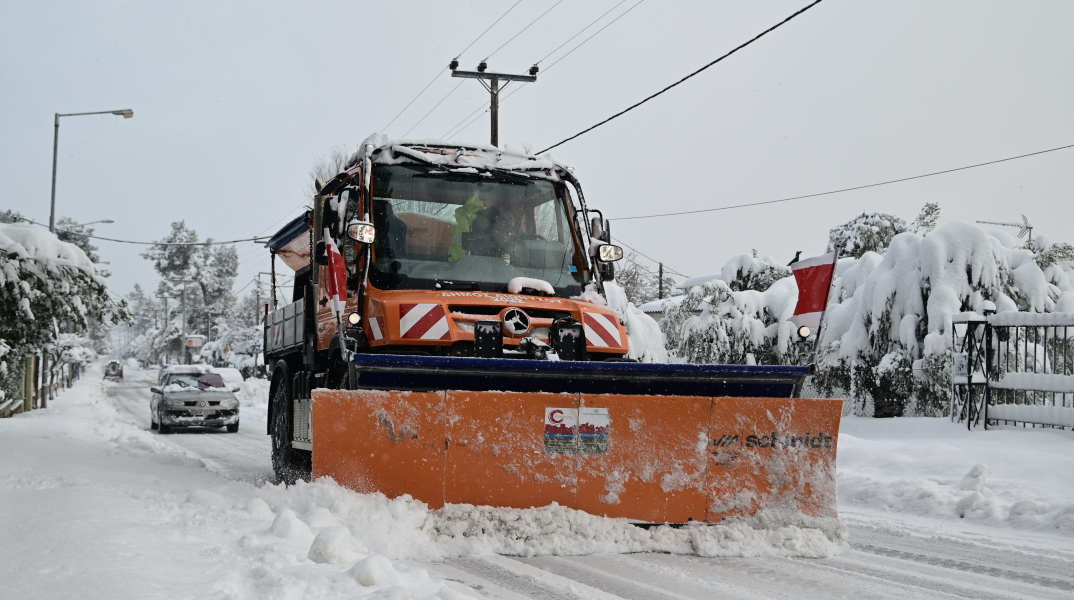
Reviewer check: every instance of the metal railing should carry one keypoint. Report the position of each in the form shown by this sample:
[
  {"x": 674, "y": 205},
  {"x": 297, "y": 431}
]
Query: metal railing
[{"x": 1013, "y": 368}]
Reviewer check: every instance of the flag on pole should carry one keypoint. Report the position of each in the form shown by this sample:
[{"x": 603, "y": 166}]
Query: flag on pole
[
  {"x": 814, "y": 278},
  {"x": 337, "y": 274}
]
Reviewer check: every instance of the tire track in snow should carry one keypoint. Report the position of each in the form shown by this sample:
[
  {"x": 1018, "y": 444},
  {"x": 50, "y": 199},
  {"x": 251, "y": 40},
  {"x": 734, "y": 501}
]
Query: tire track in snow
[{"x": 527, "y": 586}]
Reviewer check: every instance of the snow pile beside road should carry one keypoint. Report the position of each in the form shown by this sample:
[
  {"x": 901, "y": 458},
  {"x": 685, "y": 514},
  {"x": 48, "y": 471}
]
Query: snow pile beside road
[
  {"x": 1009, "y": 477},
  {"x": 253, "y": 392}
]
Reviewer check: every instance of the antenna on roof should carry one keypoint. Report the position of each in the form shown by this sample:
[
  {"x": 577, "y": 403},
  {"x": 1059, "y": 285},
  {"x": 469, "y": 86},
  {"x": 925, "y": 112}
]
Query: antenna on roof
[{"x": 1023, "y": 228}]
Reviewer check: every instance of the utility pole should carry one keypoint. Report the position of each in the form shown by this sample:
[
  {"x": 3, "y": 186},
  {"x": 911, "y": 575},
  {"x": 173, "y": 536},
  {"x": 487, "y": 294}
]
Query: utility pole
[
  {"x": 493, "y": 87},
  {"x": 660, "y": 295},
  {"x": 164, "y": 325},
  {"x": 184, "y": 282}
]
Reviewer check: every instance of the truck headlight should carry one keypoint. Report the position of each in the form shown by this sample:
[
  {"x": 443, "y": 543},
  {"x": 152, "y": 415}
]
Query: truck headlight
[{"x": 362, "y": 231}]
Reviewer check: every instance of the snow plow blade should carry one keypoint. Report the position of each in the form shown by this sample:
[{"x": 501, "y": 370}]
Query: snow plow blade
[{"x": 653, "y": 443}]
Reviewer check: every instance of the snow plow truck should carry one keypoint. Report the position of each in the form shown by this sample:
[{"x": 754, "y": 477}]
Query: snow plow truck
[{"x": 449, "y": 337}]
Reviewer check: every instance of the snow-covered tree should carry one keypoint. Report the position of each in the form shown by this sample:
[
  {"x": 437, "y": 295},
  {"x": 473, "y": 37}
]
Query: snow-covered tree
[
  {"x": 72, "y": 232},
  {"x": 205, "y": 271},
  {"x": 927, "y": 219},
  {"x": 640, "y": 283},
  {"x": 870, "y": 232},
  {"x": 327, "y": 167}
]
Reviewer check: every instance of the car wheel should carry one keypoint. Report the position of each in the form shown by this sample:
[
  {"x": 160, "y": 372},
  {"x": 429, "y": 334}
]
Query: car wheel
[
  {"x": 152, "y": 422},
  {"x": 162, "y": 427},
  {"x": 233, "y": 428}
]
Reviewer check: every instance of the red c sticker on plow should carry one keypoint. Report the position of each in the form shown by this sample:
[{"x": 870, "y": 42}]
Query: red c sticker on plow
[
  {"x": 423, "y": 322},
  {"x": 576, "y": 431},
  {"x": 601, "y": 331}
]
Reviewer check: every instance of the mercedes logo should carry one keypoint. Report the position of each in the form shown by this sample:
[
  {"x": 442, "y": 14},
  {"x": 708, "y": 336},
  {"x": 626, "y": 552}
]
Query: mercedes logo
[{"x": 516, "y": 321}]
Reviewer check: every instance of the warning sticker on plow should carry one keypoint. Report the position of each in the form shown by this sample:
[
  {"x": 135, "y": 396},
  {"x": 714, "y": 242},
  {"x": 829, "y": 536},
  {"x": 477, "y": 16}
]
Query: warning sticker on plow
[{"x": 576, "y": 431}]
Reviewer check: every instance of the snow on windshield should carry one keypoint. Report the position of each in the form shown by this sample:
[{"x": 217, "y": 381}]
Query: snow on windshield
[{"x": 191, "y": 381}]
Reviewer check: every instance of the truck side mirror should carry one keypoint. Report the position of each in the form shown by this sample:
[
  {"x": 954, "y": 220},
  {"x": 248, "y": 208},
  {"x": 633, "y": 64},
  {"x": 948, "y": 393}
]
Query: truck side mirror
[
  {"x": 320, "y": 253},
  {"x": 607, "y": 253},
  {"x": 361, "y": 231}
]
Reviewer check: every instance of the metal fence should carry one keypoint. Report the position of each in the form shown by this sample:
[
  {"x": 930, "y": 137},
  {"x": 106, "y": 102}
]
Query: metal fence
[{"x": 1013, "y": 368}]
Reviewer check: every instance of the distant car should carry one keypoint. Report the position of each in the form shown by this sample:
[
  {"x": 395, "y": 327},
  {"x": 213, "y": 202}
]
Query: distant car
[
  {"x": 193, "y": 396},
  {"x": 113, "y": 369}
]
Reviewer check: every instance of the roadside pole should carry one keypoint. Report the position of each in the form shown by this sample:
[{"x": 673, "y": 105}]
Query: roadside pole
[{"x": 494, "y": 88}]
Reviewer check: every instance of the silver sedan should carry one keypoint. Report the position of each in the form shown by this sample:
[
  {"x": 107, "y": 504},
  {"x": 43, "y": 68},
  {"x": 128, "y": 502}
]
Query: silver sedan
[{"x": 193, "y": 399}]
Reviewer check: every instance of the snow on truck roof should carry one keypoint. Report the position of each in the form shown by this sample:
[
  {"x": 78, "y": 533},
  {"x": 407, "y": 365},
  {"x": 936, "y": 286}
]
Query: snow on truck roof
[{"x": 447, "y": 154}]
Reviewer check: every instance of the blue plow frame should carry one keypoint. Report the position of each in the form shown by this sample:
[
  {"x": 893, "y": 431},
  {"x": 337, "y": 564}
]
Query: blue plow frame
[{"x": 422, "y": 373}]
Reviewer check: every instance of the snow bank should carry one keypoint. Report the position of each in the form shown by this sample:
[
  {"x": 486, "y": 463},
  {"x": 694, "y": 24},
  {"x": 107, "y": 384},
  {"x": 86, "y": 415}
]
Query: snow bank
[{"x": 937, "y": 470}]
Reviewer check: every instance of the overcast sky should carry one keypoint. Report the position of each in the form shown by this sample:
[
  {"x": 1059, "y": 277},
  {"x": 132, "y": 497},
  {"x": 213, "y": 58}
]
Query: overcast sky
[{"x": 236, "y": 101}]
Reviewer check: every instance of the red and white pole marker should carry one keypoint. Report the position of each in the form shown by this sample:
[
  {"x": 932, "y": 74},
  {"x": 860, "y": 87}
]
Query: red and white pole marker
[{"x": 814, "y": 277}]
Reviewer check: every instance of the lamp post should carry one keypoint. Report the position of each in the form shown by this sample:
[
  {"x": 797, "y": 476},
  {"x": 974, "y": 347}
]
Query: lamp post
[{"x": 126, "y": 113}]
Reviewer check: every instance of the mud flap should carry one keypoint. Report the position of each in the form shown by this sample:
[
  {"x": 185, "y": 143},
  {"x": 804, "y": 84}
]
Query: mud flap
[{"x": 653, "y": 459}]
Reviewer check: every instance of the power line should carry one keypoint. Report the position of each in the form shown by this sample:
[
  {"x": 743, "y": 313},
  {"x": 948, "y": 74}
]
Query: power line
[
  {"x": 524, "y": 29},
  {"x": 595, "y": 34},
  {"x": 582, "y": 30},
  {"x": 849, "y": 189},
  {"x": 206, "y": 243},
  {"x": 470, "y": 118},
  {"x": 438, "y": 73},
  {"x": 487, "y": 30},
  {"x": 620, "y": 240},
  {"x": 531, "y": 23},
  {"x": 434, "y": 107},
  {"x": 741, "y": 46}
]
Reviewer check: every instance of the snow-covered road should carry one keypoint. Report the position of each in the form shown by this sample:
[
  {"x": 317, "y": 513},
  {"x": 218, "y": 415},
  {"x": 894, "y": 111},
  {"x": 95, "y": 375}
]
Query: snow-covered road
[
  {"x": 94, "y": 504},
  {"x": 242, "y": 456}
]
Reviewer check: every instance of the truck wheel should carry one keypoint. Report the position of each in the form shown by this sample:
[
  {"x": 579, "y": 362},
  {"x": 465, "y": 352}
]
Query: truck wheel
[{"x": 282, "y": 454}]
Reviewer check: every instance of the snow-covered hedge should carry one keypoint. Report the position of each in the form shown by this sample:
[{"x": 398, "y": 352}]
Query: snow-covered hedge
[
  {"x": 44, "y": 283},
  {"x": 887, "y": 340}
]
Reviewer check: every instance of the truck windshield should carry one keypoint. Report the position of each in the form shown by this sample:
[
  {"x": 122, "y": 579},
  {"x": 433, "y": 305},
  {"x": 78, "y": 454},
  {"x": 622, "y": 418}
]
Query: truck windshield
[{"x": 475, "y": 231}]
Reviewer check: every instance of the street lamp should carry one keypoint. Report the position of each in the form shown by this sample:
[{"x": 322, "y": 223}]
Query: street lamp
[{"x": 126, "y": 113}]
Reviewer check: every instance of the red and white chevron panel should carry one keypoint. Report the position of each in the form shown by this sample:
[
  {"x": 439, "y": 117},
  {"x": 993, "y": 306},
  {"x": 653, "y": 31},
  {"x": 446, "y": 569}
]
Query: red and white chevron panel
[
  {"x": 376, "y": 328},
  {"x": 423, "y": 322},
  {"x": 601, "y": 331}
]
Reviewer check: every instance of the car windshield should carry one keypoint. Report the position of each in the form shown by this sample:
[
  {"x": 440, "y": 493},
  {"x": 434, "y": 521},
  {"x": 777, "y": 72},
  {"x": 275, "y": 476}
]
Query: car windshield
[
  {"x": 476, "y": 231},
  {"x": 197, "y": 382}
]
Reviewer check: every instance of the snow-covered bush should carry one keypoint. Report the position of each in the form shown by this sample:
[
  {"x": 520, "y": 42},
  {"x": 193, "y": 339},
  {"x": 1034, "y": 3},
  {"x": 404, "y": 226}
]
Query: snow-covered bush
[
  {"x": 715, "y": 324},
  {"x": 887, "y": 341},
  {"x": 738, "y": 316}
]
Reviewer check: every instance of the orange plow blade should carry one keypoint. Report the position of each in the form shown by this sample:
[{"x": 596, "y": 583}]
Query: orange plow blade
[{"x": 650, "y": 459}]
